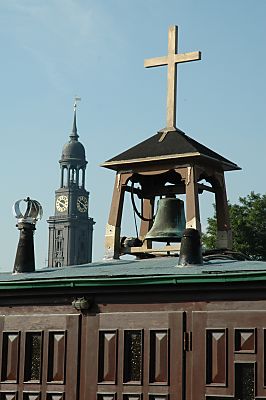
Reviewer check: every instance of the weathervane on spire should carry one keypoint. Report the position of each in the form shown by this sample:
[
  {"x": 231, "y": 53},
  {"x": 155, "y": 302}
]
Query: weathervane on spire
[
  {"x": 74, "y": 134},
  {"x": 75, "y": 102},
  {"x": 171, "y": 60}
]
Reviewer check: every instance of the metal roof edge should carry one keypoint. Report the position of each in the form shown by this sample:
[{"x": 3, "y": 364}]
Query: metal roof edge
[{"x": 247, "y": 276}]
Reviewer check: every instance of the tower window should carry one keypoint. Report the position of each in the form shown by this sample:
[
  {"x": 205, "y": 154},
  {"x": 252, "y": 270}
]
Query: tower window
[
  {"x": 59, "y": 245},
  {"x": 64, "y": 177},
  {"x": 73, "y": 175},
  {"x": 58, "y": 264},
  {"x": 81, "y": 177}
]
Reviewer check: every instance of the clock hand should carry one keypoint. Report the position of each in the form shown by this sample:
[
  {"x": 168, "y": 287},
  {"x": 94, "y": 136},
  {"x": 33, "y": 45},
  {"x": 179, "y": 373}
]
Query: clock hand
[{"x": 81, "y": 204}]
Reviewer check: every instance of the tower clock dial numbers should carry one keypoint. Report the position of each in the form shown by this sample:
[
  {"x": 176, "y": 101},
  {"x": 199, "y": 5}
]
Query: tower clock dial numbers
[
  {"x": 61, "y": 203},
  {"x": 82, "y": 203}
]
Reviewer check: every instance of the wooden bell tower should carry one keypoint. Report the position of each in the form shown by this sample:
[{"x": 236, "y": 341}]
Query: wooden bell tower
[{"x": 168, "y": 163}]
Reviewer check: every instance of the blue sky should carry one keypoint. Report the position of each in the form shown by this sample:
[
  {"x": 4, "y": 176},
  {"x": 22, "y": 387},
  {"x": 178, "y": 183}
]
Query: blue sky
[{"x": 55, "y": 49}]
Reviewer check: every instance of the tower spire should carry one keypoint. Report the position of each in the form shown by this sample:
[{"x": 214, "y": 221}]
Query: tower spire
[
  {"x": 71, "y": 228},
  {"x": 74, "y": 134}
]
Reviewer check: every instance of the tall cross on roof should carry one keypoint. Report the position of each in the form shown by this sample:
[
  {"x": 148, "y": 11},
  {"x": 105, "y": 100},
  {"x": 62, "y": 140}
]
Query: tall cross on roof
[{"x": 171, "y": 60}]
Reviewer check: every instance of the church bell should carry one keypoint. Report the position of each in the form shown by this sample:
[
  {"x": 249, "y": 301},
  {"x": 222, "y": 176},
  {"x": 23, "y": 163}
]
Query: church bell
[{"x": 169, "y": 223}]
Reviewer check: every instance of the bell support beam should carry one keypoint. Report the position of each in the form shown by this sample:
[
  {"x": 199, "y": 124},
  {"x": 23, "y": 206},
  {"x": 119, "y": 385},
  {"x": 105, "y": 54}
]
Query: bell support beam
[
  {"x": 206, "y": 188},
  {"x": 165, "y": 191},
  {"x": 192, "y": 200},
  {"x": 113, "y": 227},
  {"x": 224, "y": 233}
]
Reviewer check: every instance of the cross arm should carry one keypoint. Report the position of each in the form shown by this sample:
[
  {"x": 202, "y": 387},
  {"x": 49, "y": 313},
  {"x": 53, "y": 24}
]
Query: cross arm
[
  {"x": 178, "y": 58},
  {"x": 185, "y": 57},
  {"x": 155, "y": 62}
]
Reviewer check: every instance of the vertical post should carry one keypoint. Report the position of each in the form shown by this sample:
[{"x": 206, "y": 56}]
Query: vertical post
[
  {"x": 113, "y": 227},
  {"x": 145, "y": 226},
  {"x": 224, "y": 233},
  {"x": 171, "y": 77},
  {"x": 192, "y": 200}
]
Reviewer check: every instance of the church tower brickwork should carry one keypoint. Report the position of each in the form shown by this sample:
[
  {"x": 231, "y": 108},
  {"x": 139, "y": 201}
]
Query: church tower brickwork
[{"x": 71, "y": 228}]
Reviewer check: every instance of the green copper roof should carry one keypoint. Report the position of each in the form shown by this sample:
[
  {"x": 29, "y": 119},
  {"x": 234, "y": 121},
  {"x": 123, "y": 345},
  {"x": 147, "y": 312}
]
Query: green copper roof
[{"x": 137, "y": 272}]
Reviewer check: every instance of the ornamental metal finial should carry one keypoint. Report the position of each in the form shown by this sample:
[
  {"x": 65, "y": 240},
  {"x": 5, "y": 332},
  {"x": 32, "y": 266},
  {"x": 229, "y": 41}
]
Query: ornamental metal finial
[
  {"x": 32, "y": 214},
  {"x": 25, "y": 260}
]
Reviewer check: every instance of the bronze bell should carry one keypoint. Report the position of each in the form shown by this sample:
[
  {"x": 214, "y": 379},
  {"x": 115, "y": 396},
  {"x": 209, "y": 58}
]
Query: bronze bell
[{"x": 169, "y": 223}]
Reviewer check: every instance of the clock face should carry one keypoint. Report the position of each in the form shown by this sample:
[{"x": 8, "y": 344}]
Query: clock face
[
  {"x": 82, "y": 203},
  {"x": 61, "y": 203}
]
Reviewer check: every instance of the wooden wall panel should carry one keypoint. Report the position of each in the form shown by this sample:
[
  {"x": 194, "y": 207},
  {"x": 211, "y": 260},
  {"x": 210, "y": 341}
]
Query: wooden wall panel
[
  {"x": 245, "y": 381},
  {"x": 56, "y": 357},
  {"x": 34, "y": 351},
  {"x": 106, "y": 396},
  {"x": 8, "y": 396},
  {"x": 145, "y": 365},
  {"x": 55, "y": 396},
  {"x": 133, "y": 356},
  {"x": 236, "y": 354},
  {"x": 33, "y": 356},
  {"x": 10, "y": 356},
  {"x": 216, "y": 356},
  {"x": 245, "y": 340},
  {"x": 31, "y": 396},
  {"x": 159, "y": 356},
  {"x": 107, "y": 356},
  {"x": 263, "y": 363}
]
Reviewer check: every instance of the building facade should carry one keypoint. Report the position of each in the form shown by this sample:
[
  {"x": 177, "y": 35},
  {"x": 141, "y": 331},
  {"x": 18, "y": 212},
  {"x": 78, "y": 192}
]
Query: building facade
[
  {"x": 71, "y": 228},
  {"x": 134, "y": 330}
]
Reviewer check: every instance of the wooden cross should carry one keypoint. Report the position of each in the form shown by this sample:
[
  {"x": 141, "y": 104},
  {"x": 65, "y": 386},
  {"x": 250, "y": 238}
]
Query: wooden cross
[{"x": 171, "y": 60}]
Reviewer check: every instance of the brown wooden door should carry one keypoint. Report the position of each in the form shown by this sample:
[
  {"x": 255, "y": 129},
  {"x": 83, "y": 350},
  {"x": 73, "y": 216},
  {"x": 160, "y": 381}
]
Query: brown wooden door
[
  {"x": 139, "y": 357},
  {"x": 35, "y": 350},
  {"x": 228, "y": 355}
]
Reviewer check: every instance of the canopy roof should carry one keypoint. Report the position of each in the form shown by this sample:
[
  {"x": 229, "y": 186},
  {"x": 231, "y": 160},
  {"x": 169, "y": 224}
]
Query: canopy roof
[{"x": 168, "y": 146}]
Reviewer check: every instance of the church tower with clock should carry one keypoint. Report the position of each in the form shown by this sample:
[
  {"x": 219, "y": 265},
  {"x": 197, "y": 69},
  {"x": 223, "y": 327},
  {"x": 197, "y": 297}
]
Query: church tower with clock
[{"x": 71, "y": 228}]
